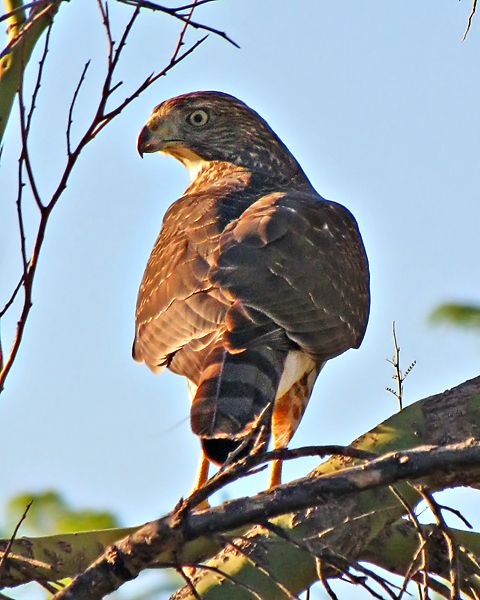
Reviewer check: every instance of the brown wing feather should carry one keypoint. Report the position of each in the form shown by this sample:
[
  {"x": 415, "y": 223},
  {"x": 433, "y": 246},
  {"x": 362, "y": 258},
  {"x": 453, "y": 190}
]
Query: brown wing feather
[
  {"x": 179, "y": 313},
  {"x": 175, "y": 306},
  {"x": 296, "y": 264}
]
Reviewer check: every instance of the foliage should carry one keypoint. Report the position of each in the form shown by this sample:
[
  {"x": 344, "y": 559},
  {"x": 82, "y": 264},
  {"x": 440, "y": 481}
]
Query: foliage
[
  {"x": 50, "y": 513},
  {"x": 457, "y": 314}
]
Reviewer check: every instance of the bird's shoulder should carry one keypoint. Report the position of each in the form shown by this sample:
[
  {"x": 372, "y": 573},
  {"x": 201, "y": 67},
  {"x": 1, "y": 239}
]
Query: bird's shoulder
[{"x": 297, "y": 260}]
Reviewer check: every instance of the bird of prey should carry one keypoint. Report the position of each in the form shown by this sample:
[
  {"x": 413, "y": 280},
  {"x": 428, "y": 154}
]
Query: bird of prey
[{"x": 254, "y": 281}]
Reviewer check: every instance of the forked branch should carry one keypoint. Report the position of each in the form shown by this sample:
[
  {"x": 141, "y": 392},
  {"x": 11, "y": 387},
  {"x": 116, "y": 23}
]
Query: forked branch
[{"x": 103, "y": 115}]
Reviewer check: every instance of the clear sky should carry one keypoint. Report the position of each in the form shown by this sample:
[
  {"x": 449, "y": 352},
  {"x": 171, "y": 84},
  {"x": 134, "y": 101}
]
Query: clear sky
[{"x": 379, "y": 103}]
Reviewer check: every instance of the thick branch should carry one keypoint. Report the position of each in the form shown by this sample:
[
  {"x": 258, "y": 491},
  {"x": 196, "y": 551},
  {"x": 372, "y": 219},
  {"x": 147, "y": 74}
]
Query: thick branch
[
  {"x": 348, "y": 526},
  {"x": 353, "y": 506},
  {"x": 460, "y": 463},
  {"x": 23, "y": 36}
]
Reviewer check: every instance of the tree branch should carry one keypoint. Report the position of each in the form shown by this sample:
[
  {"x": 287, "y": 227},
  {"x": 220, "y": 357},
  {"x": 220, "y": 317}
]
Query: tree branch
[
  {"x": 126, "y": 559},
  {"x": 24, "y": 33},
  {"x": 179, "y": 13},
  {"x": 102, "y": 117},
  {"x": 346, "y": 526},
  {"x": 341, "y": 508},
  {"x": 340, "y": 492},
  {"x": 470, "y": 19}
]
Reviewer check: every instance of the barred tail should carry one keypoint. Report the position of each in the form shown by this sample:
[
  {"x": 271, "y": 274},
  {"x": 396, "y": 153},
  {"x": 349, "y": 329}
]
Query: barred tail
[{"x": 235, "y": 397}]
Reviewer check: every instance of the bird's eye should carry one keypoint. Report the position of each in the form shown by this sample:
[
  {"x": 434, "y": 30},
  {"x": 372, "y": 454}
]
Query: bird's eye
[{"x": 198, "y": 118}]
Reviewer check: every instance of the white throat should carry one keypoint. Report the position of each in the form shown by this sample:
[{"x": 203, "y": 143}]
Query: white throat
[{"x": 194, "y": 166}]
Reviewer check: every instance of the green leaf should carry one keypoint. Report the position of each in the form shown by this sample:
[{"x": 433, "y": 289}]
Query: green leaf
[
  {"x": 460, "y": 315},
  {"x": 51, "y": 513}
]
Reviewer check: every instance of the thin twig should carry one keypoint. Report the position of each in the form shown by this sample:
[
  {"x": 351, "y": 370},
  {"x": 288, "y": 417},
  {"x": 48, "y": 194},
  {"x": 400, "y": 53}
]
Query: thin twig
[
  {"x": 474, "y": 594},
  {"x": 450, "y": 542},
  {"x": 471, "y": 557},
  {"x": 457, "y": 513},
  {"x": 25, "y": 155},
  {"x": 335, "y": 561},
  {"x": 470, "y": 19},
  {"x": 421, "y": 550},
  {"x": 21, "y": 8},
  {"x": 99, "y": 121},
  {"x": 177, "y": 14},
  {"x": 321, "y": 574},
  {"x": 398, "y": 376},
  {"x": 188, "y": 581},
  {"x": 245, "y": 466},
  {"x": 72, "y": 107},
  {"x": 38, "y": 81},
  {"x": 205, "y": 567},
  {"x": 106, "y": 23},
  {"x": 21, "y": 232},
  {"x": 5, "y": 554},
  {"x": 183, "y": 32},
  {"x": 50, "y": 6},
  {"x": 262, "y": 569},
  {"x": 123, "y": 39},
  {"x": 362, "y": 582},
  {"x": 141, "y": 88}
]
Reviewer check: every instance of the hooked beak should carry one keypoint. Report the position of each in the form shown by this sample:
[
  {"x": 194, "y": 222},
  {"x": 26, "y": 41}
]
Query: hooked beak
[
  {"x": 157, "y": 136},
  {"x": 163, "y": 137},
  {"x": 144, "y": 142}
]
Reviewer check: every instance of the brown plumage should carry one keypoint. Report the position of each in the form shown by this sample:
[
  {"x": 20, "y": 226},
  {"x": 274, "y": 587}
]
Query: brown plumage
[{"x": 255, "y": 280}]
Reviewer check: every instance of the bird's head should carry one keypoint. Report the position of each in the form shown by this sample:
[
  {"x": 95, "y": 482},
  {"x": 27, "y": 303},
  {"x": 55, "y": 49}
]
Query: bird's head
[{"x": 200, "y": 127}]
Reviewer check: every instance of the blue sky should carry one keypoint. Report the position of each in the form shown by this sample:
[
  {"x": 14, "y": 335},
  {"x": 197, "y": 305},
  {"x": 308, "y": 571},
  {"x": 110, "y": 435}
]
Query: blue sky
[{"x": 379, "y": 103}]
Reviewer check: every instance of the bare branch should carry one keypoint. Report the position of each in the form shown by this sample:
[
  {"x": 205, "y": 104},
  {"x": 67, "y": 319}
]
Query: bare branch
[
  {"x": 321, "y": 574},
  {"x": 49, "y": 8},
  {"x": 20, "y": 9},
  {"x": 263, "y": 569},
  {"x": 103, "y": 8},
  {"x": 25, "y": 156},
  {"x": 247, "y": 465},
  {"x": 101, "y": 118},
  {"x": 4, "y": 558},
  {"x": 72, "y": 107},
  {"x": 183, "y": 32},
  {"x": 126, "y": 559},
  {"x": 470, "y": 19},
  {"x": 181, "y": 571},
  {"x": 398, "y": 375},
  {"x": 124, "y": 37},
  {"x": 11, "y": 300},
  {"x": 421, "y": 551},
  {"x": 451, "y": 544},
  {"x": 178, "y": 13},
  {"x": 457, "y": 513},
  {"x": 21, "y": 231},
  {"x": 39, "y": 76}
]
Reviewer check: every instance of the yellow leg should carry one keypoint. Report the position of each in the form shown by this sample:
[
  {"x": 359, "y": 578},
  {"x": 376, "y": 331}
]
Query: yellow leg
[
  {"x": 202, "y": 473},
  {"x": 200, "y": 478},
  {"x": 275, "y": 474}
]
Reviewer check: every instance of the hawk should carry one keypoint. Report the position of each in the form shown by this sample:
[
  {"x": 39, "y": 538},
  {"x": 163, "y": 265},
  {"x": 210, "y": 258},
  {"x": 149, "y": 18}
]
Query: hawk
[{"x": 254, "y": 281}]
